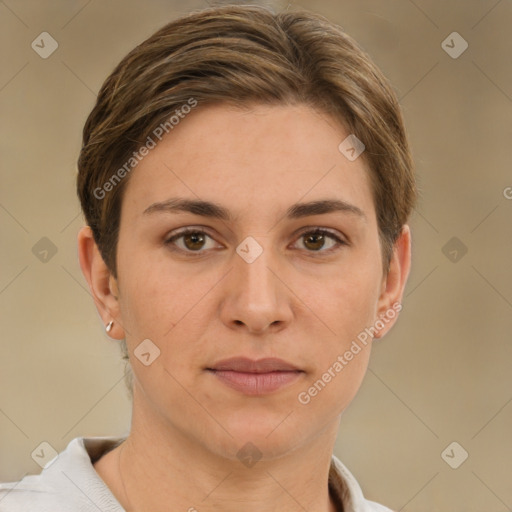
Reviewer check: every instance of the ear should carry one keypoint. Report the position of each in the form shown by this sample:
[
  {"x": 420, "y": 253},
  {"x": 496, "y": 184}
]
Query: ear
[
  {"x": 393, "y": 284},
  {"x": 102, "y": 283}
]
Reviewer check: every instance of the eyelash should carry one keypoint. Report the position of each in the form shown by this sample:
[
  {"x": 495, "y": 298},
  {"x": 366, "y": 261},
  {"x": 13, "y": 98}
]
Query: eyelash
[{"x": 311, "y": 231}]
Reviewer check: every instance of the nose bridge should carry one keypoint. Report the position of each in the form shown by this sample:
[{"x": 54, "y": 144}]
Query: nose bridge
[
  {"x": 252, "y": 268},
  {"x": 255, "y": 297}
]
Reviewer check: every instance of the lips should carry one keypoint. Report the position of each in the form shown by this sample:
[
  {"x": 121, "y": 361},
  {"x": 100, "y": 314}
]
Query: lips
[
  {"x": 255, "y": 377},
  {"x": 245, "y": 365}
]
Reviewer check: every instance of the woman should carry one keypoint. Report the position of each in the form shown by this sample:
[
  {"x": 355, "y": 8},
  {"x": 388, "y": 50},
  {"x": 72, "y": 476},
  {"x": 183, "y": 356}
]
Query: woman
[{"x": 246, "y": 181}]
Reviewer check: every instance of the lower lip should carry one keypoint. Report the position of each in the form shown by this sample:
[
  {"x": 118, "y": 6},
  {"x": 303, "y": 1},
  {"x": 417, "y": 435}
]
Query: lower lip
[{"x": 256, "y": 383}]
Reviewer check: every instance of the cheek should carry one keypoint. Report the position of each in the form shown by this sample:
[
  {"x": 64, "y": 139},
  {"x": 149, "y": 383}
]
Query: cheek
[
  {"x": 342, "y": 353},
  {"x": 161, "y": 304},
  {"x": 152, "y": 295},
  {"x": 348, "y": 302},
  {"x": 138, "y": 294},
  {"x": 346, "y": 307},
  {"x": 330, "y": 391}
]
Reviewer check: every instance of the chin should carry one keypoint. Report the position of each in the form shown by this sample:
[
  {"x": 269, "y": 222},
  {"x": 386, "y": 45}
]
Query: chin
[{"x": 272, "y": 434}]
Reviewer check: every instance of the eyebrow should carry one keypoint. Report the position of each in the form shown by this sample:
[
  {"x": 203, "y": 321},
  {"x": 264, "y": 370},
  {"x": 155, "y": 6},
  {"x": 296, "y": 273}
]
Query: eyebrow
[{"x": 216, "y": 211}]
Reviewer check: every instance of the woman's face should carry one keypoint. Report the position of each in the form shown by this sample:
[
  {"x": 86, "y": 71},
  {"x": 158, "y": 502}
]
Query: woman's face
[{"x": 250, "y": 280}]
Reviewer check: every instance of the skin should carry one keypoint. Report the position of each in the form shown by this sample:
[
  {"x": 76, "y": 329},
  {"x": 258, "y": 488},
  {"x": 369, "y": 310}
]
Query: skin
[{"x": 301, "y": 301}]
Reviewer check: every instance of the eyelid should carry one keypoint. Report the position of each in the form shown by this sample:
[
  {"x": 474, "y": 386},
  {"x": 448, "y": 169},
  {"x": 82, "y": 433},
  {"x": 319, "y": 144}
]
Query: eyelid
[
  {"x": 328, "y": 231},
  {"x": 188, "y": 229}
]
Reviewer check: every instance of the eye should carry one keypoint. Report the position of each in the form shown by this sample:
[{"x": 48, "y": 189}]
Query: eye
[
  {"x": 194, "y": 240},
  {"x": 320, "y": 240},
  {"x": 191, "y": 240}
]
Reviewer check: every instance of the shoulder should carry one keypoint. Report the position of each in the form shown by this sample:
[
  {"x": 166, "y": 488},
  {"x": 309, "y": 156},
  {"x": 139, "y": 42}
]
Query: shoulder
[
  {"x": 36, "y": 493},
  {"x": 68, "y": 482},
  {"x": 350, "y": 492}
]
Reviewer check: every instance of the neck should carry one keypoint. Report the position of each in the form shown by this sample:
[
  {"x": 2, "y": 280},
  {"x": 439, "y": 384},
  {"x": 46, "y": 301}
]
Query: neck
[{"x": 192, "y": 478}]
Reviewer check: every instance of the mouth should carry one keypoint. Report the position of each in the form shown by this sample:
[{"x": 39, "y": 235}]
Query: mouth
[{"x": 252, "y": 377}]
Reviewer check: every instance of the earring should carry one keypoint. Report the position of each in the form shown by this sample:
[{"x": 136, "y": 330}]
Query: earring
[{"x": 109, "y": 326}]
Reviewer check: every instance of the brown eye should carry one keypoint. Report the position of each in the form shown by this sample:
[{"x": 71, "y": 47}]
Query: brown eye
[
  {"x": 194, "y": 241},
  {"x": 320, "y": 240},
  {"x": 190, "y": 241},
  {"x": 314, "y": 241}
]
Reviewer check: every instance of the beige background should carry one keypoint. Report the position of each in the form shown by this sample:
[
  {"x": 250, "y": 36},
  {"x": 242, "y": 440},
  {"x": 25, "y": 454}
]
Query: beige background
[{"x": 442, "y": 374}]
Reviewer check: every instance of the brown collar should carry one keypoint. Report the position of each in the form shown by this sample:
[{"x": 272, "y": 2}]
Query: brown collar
[{"x": 337, "y": 488}]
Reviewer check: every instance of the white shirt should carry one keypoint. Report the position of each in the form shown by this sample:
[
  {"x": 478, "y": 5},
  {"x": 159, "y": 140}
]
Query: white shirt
[{"x": 69, "y": 483}]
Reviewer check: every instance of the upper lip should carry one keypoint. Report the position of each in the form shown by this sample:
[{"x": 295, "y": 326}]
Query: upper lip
[{"x": 246, "y": 365}]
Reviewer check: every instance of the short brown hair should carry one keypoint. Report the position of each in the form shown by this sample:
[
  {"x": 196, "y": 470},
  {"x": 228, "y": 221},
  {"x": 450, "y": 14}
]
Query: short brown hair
[
  {"x": 238, "y": 55},
  {"x": 241, "y": 55}
]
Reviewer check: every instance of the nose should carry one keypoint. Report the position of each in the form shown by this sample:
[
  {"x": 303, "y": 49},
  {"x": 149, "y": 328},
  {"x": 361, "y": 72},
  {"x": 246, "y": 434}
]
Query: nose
[{"x": 255, "y": 298}]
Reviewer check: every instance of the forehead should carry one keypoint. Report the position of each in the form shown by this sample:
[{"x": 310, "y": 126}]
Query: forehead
[{"x": 258, "y": 159}]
